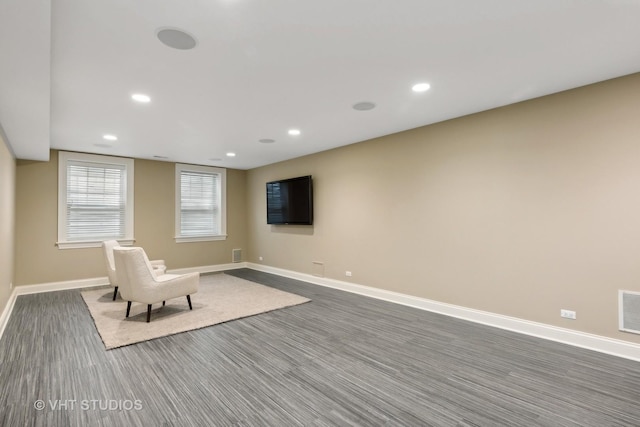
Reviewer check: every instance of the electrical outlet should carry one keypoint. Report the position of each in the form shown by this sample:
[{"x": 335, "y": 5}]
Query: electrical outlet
[
  {"x": 568, "y": 314},
  {"x": 348, "y": 273},
  {"x": 260, "y": 258}
]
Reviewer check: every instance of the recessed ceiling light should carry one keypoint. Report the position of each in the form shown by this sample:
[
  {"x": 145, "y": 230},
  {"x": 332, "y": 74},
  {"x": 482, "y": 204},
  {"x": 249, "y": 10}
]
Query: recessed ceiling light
[
  {"x": 110, "y": 137},
  {"x": 231, "y": 154},
  {"x": 294, "y": 132},
  {"x": 421, "y": 87},
  {"x": 140, "y": 97},
  {"x": 175, "y": 38},
  {"x": 364, "y": 106},
  {"x": 267, "y": 140}
]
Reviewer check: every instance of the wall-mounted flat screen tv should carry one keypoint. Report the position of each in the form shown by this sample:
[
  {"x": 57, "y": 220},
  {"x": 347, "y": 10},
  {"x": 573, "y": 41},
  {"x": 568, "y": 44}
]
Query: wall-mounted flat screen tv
[{"x": 290, "y": 201}]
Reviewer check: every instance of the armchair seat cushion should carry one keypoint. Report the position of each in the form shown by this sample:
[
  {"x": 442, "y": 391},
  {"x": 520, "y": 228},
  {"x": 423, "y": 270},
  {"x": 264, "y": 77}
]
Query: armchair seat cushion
[{"x": 170, "y": 286}]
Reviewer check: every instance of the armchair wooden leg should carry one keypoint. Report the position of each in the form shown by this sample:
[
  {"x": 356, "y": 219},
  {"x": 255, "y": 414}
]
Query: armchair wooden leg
[
  {"x": 189, "y": 301},
  {"x": 148, "y": 313},
  {"x": 128, "y": 307},
  {"x": 115, "y": 293},
  {"x": 163, "y": 303}
]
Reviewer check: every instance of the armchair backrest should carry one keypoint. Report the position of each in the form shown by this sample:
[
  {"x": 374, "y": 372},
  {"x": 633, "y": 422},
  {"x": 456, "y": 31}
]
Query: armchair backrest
[
  {"x": 107, "y": 249},
  {"x": 134, "y": 271}
]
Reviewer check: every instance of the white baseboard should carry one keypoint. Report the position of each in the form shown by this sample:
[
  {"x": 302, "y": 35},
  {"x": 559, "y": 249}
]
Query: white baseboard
[
  {"x": 61, "y": 286},
  {"x": 102, "y": 281},
  {"x": 8, "y": 308},
  {"x": 209, "y": 268},
  {"x": 598, "y": 343}
]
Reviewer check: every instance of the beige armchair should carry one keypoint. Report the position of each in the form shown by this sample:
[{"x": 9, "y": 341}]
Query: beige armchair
[
  {"x": 107, "y": 248},
  {"x": 138, "y": 282}
]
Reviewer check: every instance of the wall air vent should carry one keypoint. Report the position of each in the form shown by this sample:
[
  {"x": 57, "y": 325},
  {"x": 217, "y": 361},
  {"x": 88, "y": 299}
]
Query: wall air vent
[
  {"x": 629, "y": 311},
  {"x": 236, "y": 255}
]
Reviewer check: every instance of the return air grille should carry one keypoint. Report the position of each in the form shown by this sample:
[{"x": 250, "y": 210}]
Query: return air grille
[
  {"x": 629, "y": 311},
  {"x": 236, "y": 255}
]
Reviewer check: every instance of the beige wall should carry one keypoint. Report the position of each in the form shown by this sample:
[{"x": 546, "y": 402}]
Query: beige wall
[
  {"x": 519, "y": 211},
  {"x": 38, "y": 260},
  {"x": 7, "y": 220}
]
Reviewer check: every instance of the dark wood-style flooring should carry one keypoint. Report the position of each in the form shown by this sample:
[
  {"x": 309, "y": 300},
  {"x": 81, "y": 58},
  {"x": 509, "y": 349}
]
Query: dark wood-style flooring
[{"x": 340, "y": 360}]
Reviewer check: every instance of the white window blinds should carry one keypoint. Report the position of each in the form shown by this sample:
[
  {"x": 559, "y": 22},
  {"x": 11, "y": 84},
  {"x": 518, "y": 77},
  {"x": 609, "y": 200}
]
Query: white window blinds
[
  {"x": 200, "y": 203},
  {"x": 96, "y": 201}
]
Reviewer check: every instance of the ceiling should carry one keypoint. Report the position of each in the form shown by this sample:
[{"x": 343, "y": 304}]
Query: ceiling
[{"x": 260, "y": 68}]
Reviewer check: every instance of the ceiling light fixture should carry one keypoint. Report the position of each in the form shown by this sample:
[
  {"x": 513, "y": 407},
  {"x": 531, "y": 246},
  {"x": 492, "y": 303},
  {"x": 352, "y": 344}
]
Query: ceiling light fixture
[
  {"x": 421, "y": 87},
  {"x": 364, "y": 106},
  {"x": 175, "y": 38},
  {"x": 110, "y": 137},
  {"x": 231, "y": 154},
  {"x": 140, "y": 97},
  {"x": 294, "y": 132}
]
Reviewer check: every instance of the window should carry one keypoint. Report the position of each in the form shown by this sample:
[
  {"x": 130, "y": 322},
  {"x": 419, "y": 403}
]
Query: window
[
  {"x": 95, "y": 200},
  {"x": 200, "y": 203}
]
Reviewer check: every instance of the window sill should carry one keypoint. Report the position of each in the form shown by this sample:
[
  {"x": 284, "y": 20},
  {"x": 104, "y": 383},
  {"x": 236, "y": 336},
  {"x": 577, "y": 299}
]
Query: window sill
[
  {"x": 91, "y": 244},
  {"x": 200, "y": 239}
]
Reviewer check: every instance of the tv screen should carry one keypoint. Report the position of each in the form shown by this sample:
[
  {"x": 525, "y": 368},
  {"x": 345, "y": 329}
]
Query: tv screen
[{"x": 290, "y": 201}]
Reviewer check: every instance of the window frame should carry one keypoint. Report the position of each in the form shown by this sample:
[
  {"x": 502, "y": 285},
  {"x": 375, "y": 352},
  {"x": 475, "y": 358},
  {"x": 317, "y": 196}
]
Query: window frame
[
  {"x": 222, "y": 200},
  {"x": 64, "y": 157}
]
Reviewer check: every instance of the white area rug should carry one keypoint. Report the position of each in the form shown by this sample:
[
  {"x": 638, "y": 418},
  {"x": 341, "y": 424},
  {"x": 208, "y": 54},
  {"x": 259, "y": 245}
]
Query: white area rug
[{"x": 220, "y": 298}]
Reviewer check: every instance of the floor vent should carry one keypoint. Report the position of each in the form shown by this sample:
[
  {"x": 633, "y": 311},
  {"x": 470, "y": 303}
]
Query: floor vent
[
  {"x": 236, "y": 255},
  {"x": 629, "y": 311}
]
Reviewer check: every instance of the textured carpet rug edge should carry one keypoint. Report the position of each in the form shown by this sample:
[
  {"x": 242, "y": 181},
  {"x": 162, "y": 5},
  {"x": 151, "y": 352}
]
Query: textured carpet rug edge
[{"x": 187, "y": 330}]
